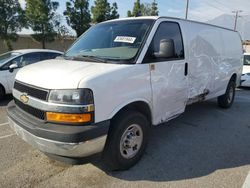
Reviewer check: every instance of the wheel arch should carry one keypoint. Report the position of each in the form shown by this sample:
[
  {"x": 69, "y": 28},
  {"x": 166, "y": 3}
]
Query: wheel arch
[
  {"x": 234, "y": 77},
  {"x": 1, "y": 86},
  {"x": 4, "y": 91},
  {"x": 139, "y": 106}
]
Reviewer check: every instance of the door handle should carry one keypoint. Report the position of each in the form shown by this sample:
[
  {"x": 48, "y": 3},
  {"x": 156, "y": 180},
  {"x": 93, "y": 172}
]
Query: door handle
[{"x": 186, "y": 69}]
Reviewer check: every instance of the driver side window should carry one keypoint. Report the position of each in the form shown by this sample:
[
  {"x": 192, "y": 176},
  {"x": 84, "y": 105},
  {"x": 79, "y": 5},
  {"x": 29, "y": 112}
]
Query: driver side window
[
  {"x": 166, "y": 45},
  {"x": 30, "y": 59}
]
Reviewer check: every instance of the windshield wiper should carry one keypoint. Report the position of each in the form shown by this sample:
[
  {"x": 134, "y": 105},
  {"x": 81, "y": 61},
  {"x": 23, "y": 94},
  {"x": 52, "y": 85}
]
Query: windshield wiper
[{"x": 89, "y": 58}]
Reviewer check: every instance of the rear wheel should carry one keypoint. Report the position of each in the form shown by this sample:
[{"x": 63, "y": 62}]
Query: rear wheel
[
  {"x": 226, "y": 100},
  {"x": 2, "y": 92},
  {"x": 127, "y": 140}
]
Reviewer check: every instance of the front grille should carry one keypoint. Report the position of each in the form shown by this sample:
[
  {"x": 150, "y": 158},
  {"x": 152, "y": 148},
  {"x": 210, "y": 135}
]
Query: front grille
[
  {"x": 32, "y": 91},
  {"x": 30, "y": 110}
]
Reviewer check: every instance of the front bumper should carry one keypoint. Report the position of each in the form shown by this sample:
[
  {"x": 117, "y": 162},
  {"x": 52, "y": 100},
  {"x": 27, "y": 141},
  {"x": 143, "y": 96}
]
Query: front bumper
[{"x": 62, "y": 140}]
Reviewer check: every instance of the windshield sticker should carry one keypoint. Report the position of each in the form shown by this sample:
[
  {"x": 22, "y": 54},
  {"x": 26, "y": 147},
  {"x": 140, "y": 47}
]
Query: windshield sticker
[{"x": 125, "y": 39}]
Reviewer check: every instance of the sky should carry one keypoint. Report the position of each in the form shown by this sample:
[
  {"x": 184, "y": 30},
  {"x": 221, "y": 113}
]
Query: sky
[{"x": 199, "y": 10}]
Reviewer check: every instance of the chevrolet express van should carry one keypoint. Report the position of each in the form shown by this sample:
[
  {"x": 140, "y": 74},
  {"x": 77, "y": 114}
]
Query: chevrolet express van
[{"x": 117, "y": 80}]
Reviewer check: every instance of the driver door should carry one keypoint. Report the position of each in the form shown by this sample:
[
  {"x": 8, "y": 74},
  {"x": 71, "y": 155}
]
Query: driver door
[{"x": 168, "y": 72}]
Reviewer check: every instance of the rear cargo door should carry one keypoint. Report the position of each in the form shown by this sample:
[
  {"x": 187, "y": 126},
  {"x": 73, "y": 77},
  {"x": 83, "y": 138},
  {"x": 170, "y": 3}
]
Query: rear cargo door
[{"x": 168, "y": 69}]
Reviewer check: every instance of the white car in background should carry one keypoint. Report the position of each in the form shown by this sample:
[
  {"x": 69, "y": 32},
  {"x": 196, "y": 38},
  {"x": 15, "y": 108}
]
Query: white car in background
[
  {"x": 12, "y": 61},
  {"x": 245, "y": 78}
]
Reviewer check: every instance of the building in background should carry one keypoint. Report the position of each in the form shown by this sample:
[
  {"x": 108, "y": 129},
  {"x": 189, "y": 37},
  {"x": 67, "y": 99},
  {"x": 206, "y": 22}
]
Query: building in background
[
  {"x": 27, "y": 42},
  {"x": 246, "y": 46}
]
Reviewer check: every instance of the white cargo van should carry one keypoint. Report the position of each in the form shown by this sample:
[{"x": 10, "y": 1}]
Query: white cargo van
[{"x": 117, "y": 80}]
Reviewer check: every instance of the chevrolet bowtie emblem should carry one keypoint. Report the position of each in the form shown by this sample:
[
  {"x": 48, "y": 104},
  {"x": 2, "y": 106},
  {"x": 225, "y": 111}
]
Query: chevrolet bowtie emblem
[{"x": 24, "y": 98}]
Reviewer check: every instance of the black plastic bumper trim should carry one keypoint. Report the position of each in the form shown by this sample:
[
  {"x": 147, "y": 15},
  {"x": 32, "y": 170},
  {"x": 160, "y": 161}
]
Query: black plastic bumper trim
[{"x": 56, "y": 132}]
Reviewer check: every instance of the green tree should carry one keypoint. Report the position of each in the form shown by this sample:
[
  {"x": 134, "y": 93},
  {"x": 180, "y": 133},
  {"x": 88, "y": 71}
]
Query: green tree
[
  {"x": 114, "y": 12},
  {"x": 144, "y": 9},
  {"x": 39, "y": 14},
  {"x": 62, "y": 31},
  {"x": 129, "y": 13},
  {"x": 11, "y": 21},
  {"x": 78, "y": 15},
  {"x": 102, "y": 11},
  {"x": 137, "y": 9},
  {"x": 154, "y": 9}
]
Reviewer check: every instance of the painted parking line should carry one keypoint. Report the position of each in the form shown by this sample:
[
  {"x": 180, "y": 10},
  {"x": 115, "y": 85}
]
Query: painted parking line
[
  {"x": 247, "y": 181},
  {"x": 2, "y": 124},
  {"x": 6, "y": 136}
]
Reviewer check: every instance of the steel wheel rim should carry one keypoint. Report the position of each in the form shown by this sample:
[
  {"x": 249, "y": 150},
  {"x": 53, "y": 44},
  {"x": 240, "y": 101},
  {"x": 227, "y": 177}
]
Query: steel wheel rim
[{"x": 131, "y": 141}]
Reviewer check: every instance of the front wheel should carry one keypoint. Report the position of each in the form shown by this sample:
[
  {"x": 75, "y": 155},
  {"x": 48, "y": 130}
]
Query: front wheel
[
  {"x": 2, "y": 92},
  {"x": 126, "y": 141},
  {"x": 226, "y": 100}
]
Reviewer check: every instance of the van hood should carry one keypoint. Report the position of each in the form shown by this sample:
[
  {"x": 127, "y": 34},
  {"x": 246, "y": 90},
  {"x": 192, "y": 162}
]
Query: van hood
[
  {"x": 246, "y": 69},
  {"x": 61, "y": 74}
]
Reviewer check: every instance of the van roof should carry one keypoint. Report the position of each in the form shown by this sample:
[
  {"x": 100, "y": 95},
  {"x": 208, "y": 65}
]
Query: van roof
[{"x": 172, "y": 18}]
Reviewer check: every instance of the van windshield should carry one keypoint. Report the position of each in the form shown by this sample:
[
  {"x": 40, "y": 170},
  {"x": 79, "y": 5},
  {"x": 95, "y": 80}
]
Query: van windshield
[
  {"x": 247, "y": 60},
  {"x": 112, "y": 42},
  {"x": 6, "y": 56}
]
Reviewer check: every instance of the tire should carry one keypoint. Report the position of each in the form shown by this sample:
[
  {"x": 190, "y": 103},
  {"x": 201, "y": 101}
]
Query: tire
[
  {"x": 127, "y": 140},
  {"x": 2, "y": 92},
  {"x": 226, "y": 100}
]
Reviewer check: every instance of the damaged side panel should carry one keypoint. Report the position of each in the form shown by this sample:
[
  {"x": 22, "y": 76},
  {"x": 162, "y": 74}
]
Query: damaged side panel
[
  {"x": 204, "y": 53},
  {"x": 211, "y": 63},
  {"x": 212, "y": 60},
  {"x": 168, "y": 79},
  {"x": 169, "y": 90}
]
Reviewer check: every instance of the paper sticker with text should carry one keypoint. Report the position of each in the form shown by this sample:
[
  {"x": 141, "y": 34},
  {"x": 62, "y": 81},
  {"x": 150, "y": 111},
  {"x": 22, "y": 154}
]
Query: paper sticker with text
[{"x": 125, "y": 39}]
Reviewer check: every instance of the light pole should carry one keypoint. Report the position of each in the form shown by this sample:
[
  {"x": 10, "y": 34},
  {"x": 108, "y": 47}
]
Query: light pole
[
  {"x": 236, "y": 17},
  {"x": 187, "y": 9}
]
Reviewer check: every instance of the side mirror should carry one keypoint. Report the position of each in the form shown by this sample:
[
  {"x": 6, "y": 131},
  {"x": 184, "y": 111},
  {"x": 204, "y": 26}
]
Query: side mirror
[
  {"x": 166, "y": 49},
  {"x": 12, "y": 67}
]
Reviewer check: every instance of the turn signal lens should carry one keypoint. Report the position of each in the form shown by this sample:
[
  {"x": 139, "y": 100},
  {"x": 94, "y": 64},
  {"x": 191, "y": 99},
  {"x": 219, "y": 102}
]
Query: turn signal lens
[{"x": 68, "y": 118}]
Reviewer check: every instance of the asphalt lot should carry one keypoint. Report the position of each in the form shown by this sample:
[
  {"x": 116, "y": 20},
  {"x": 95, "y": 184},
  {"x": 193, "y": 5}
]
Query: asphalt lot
[{"x": 205, "y": 147}]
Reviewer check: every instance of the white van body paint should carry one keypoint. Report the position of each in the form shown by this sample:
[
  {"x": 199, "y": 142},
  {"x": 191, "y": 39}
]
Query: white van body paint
[{"x": 211, "y": 58}]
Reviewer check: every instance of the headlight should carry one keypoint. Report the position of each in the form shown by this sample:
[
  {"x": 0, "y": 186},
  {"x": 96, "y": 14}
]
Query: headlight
[{"x": 74, "y": 97}]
